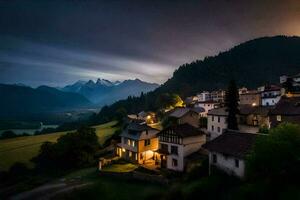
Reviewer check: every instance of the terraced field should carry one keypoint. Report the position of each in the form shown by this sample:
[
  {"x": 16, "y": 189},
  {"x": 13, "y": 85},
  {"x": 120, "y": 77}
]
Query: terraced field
[{"x": 22, "y": 149}]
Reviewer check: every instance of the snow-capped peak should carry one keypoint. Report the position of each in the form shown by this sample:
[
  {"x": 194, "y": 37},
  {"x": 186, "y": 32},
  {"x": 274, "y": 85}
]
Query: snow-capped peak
[{"x": 104, "y": 82}]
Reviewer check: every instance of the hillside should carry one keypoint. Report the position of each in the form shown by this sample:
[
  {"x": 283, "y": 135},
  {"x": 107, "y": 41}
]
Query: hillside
[
  {"x": 104, "y": 91},
  {"x": 19, "y": 100},
  {"x": 251, "y": 64}
]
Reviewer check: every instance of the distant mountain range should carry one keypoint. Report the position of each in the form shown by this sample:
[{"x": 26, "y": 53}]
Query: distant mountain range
[
  {"x": 104, "y": 91},
  {"x": 21, "y": 100}
]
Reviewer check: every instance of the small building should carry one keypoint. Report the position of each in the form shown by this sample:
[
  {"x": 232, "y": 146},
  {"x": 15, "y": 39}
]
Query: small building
[
  {"x": 204, "y": 96},
  {"x": 286, "y": 110},
  {"x": 138, "y": 143},
  {"x": 187, "y": 115},
  {"x": 271, "y": 95},
  {"x": 218, "y": 96},
  {"x": 207, "y": 105},
  {"x": 252, "y": 97},
  {"x": 216, "y": 122},
  {"x": 252, "y": 118},
  {"x": 227, "y": 152},
  {"x": 176, "y": 143}
]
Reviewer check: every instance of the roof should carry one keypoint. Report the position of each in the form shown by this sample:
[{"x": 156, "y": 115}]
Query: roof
[
  {"x": 257, "y": 110},
  {"x": 232, "y": 143},
  {"x": 179, "y": 112},
  {"x": 183, "y": 130},
  {"x": 137, "y": 126},
  {"x": 207, "y": 101},
  {"x": 198, "y": 109},
  {"x": 218, "y": 111},
  {"x": 287, "y": 106},
  {"x": 271, "y": 88}
]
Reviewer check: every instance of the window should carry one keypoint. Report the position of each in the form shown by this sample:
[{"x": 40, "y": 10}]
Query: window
[
  {"x": 214, "y": 156},
  {"x": 278, "y": 118},
  {"x": 174, "y": 150},
  {"x": 164, "y": 147},
  {"x": 132, "y": 143},
  {"x": 219, "y": 129},
  {"x": 147, "y": 142},
  {"x": 219, "y": 119},
  {"x": 174, "y": 162},
  {"x": 212, "y": 128},
  {"x": 237, "y": 163},
  {"x": 213, "y": 118}
]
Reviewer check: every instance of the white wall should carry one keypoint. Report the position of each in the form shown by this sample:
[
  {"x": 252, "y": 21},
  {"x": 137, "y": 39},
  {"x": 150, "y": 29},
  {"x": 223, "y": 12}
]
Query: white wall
[
  {"x": 189, "y": 145},
  {"x": 227, "y": 164},
  {"x": 270, "y": 101},
  {"x": 213, "y": 125}
]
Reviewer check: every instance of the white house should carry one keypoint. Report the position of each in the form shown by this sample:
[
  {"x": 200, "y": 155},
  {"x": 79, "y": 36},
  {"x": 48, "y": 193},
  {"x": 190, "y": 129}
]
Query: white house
[
  {"x": 271, "y": 95},
  {"x": 207, "y": 105},
  {"x": 216, "y": 122},
  {"x": 204, "y": 96},
  {"x": 176, "y": 143},
  {"x": 227, "y": 152}
]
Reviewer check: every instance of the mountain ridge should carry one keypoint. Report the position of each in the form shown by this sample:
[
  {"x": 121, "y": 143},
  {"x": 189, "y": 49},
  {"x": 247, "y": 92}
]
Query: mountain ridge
[{"x": 251, "y": 63}]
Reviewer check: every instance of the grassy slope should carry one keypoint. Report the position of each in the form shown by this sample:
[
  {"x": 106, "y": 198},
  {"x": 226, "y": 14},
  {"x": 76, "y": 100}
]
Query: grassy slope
[{"x": 22, "y": 149}]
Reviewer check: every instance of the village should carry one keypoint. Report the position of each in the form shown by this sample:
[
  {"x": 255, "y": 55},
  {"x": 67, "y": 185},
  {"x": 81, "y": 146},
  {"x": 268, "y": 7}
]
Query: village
[{"x": 197, "y": 129}]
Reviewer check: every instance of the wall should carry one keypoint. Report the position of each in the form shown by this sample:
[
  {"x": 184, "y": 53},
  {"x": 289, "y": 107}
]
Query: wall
[
  {"x": 249, "y": 99},
  {"x": 190, "y": 118},
  {"x": 227, "y": 164},
  {"x": 222, "y": 124}
]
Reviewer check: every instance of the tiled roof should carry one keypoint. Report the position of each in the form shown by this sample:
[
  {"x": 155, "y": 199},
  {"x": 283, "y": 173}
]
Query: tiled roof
[
  {"x": 137, "y": 126},
  {"x": 183, "y": 130},
  {"x": 232, "y": 143},
  {"x": 218, "y": 111},
  {"x": 287, "y": 106},
  {"x": 198, "y": 109}
]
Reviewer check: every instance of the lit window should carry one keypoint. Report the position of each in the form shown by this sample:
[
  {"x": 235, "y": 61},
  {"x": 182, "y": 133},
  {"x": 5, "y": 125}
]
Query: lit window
[{"x": 278, "y": 118}]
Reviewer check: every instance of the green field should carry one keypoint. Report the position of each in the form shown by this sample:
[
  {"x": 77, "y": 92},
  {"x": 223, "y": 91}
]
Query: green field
[{"x": 22, "y": 149}]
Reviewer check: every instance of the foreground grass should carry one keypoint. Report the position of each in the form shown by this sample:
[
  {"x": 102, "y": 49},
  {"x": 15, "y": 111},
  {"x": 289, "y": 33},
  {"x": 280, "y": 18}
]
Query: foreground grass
[
  {"x": 120, "y": 168},
  {"x": 109, "y": 188},
  {"x": 22, "y": 149}
]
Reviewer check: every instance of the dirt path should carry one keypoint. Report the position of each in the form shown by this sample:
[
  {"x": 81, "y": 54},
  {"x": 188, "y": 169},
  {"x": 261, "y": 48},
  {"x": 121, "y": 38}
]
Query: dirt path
[{"x": 50, "y": 190}]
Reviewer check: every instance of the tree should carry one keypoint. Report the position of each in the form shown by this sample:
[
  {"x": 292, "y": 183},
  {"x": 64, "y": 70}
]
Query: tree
[
  {"x": 73, "y": 150},
  {"x": 231, "y": 104},
  {"x": 275, "y": 157}
]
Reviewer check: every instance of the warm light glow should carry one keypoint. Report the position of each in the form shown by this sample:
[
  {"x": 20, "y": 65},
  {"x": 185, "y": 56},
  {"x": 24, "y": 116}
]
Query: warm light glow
[
  {"x": 253, "y": 104},
  {"x": 123, "y": 150},
  {"x": 148, "y": 117}
]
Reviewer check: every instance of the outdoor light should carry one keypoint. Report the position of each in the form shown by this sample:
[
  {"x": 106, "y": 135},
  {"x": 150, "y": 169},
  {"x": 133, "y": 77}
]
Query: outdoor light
[{"x": 253, "y": 104}]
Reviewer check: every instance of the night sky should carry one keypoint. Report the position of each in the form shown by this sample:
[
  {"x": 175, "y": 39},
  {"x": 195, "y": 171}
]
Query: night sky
[{"x": 60, "y": 42}]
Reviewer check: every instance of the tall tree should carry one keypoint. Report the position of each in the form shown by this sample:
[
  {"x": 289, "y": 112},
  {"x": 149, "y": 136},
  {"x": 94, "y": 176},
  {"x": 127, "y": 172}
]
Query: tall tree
[{"x": 231, "y": 103}]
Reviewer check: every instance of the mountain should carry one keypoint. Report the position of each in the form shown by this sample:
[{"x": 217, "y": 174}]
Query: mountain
[
  {"x": 20, "y": 100},
  {"x": 251, "y": 64},
  {"x": 104, "y": 91}
]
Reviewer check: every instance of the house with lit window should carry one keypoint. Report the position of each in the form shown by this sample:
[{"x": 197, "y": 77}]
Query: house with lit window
[
  {"x": 138, "y": 143},
  {"x": 176, "y": 143},
  {"x": 286, "y": 110},
  {"x": 250, "y": 97},
  {"x": 228, "y": 151}
]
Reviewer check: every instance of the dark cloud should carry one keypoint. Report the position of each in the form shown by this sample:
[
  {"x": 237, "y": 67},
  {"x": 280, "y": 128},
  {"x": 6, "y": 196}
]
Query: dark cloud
[{"x": 57, "y": 42}]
